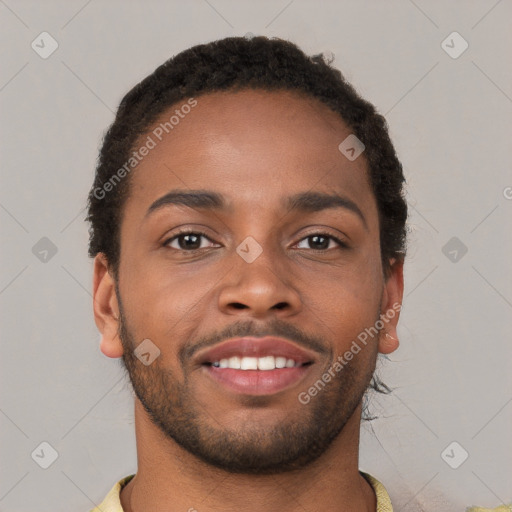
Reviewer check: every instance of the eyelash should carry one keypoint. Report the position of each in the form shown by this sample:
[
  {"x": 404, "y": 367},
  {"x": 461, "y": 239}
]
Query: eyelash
[{"x": 342, "y": 244}]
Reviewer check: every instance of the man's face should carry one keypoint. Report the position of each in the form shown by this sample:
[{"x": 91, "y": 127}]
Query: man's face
[{"x": 191, "y": 294}]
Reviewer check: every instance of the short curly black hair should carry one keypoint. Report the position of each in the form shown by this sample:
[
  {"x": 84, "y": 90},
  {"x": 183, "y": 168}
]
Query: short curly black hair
[{"x": 232, "y": 64}]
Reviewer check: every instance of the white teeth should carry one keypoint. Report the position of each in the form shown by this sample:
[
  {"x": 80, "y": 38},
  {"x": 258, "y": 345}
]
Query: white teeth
[
  {"x": 280, "y": 362},
  {"x": 255, "y": 363},
  {"x": 234, "y": 362},
  {"x": 266, "y": 363},
  {"x": 249, "y": 363}
]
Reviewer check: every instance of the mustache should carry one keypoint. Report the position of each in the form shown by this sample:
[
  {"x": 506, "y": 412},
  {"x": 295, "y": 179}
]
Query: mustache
[{"x": 243, "y": 329}]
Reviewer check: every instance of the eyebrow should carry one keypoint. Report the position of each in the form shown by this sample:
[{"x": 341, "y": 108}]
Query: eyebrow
[
  {"x": 204, "y": 199},
  {"x": 210, "y": 200},
  {"x": 318, "y": 201}
]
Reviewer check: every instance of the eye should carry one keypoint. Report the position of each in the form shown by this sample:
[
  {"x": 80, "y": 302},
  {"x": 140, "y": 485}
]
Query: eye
[
  {"x": 320, "y": 242},
  {"x": 188, "y": 241}
]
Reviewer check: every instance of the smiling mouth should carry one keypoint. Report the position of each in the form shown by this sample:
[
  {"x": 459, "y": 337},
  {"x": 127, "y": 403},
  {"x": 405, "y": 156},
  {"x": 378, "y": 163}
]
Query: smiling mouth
[
  {"x": 256, "y": 366},
  {"x": 256, "y": 382},
  {"x": 265, "y": 363}
]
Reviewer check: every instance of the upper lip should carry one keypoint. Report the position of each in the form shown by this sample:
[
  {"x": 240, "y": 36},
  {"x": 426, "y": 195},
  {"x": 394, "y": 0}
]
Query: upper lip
[{"x": 256, "y": 347}]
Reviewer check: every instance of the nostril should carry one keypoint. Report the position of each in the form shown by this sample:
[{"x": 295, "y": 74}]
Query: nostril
[
  {"x": 238, "y": 305},
  {"x": 281, "y": 305}
]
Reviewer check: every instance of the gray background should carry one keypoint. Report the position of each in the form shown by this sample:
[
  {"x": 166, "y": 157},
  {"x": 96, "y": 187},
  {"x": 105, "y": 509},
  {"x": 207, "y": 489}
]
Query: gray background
[{"x": 450, "y": 120}]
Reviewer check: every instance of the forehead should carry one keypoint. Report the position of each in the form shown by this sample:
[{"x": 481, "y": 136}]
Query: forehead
[{"x": 253, "y": 146}]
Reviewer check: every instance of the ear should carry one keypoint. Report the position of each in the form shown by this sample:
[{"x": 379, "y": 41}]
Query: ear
[
  {"x": 106, "y": 308},
  {"x": 391, "y": 303}
]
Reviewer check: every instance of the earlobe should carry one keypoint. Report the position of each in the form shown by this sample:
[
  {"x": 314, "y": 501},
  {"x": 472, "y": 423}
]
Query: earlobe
[
  {"x": 388, "y": 343},
  {"x": 106, "y": 308},
  {"x": 391, "y": 305}
]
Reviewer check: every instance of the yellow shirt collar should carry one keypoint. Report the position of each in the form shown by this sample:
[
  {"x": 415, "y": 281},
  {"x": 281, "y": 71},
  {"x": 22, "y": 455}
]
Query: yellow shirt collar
[{"x": 112, "y": 502}]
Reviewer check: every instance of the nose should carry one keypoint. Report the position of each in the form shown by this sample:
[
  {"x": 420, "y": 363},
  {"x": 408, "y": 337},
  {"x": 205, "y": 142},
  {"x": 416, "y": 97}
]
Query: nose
[{"x": 259, "y": 289}]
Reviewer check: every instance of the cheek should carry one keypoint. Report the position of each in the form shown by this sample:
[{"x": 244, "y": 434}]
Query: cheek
[
  {"x": 165, "y": 304},
  {"x": 347, "y": 303}
]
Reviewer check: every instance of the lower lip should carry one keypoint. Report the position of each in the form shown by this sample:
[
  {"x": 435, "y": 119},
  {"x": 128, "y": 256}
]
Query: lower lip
[{"x": 257, "y": 382}]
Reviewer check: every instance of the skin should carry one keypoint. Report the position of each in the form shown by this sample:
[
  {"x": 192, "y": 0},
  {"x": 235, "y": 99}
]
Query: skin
[{"x": 255, "y": 148}]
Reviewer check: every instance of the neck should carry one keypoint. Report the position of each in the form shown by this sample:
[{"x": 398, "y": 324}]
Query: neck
[{"x": 170, "y": 479}]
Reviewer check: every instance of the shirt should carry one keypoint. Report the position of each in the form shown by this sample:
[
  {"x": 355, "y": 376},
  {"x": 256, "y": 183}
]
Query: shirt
[{"x": 112, "y": 502}]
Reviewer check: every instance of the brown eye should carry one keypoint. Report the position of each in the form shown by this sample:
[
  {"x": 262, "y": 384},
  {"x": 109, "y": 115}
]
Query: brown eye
[
  {"x": 188, "y": 241},
  {"x": 320, "y": 242}
]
